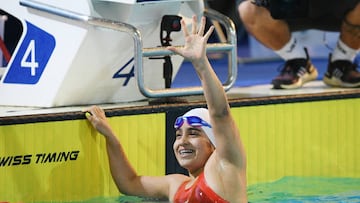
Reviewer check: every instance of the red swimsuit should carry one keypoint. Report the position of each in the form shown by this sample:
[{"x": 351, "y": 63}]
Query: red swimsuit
[{"x": 198, "y": 192}]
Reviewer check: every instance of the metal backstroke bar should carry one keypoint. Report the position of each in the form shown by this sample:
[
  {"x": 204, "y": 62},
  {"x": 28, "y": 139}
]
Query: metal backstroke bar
[{"x": 230, "y": 47}]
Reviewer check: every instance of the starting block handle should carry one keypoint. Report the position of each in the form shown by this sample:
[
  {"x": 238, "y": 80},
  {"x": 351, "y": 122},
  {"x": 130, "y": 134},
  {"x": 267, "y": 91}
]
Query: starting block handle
[{"x": 230, "y": 47}]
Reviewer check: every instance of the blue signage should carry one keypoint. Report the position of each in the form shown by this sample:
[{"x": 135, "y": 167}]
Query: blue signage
[{"x": 32, "y": 56}]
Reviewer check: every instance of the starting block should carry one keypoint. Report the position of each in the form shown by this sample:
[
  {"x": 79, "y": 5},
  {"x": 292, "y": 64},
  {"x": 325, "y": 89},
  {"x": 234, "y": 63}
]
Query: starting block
[{"x": 99, "y": 51}]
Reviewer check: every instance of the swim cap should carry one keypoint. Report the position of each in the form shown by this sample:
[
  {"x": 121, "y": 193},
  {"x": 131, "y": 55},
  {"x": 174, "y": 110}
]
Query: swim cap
[{"x": 203, "y": 113}]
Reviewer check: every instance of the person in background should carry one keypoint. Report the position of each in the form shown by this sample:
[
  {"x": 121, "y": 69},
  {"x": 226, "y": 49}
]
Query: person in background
[
  {"x": 272, "y": 22},
  {"x": 207, "y": 143}
]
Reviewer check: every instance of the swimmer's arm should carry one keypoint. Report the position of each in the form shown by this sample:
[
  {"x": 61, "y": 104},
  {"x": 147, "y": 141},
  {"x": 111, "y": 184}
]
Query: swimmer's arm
[
  {"x": 121, "y": 170},
  {"x": 129, "y": 183},
  {"x": 125, "y": 177},
  {"x": 227, "y": 137},
  {"x": 229, "y": 146}
]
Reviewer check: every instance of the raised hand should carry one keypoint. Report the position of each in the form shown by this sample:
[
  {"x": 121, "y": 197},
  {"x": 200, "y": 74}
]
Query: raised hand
[{"x": 195, "y": 42}]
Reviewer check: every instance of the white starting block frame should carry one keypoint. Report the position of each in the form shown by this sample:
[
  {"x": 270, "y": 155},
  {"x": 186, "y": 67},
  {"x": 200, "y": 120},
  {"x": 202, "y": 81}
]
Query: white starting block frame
[{"x": 139, "y": 53}]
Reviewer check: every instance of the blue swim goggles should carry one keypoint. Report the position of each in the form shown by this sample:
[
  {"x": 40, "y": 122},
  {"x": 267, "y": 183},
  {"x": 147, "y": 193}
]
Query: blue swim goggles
[{"x": 192, "y": 120}]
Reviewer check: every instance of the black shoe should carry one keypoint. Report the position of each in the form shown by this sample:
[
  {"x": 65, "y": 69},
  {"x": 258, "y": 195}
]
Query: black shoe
[
  {"x": 342, "y": 73},
  {"x": 295, "y": 74}
]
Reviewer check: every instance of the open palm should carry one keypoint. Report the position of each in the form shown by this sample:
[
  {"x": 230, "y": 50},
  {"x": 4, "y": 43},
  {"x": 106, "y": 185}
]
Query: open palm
[{"x": 195, "y": 43}]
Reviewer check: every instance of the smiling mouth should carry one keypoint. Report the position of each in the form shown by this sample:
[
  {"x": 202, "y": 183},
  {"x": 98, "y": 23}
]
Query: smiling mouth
[{"x": 186, "y": 152}]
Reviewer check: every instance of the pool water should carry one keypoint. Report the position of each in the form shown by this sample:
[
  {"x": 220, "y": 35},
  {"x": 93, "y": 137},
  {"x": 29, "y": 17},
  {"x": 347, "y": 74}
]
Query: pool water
[
  {"x": 284, "y": 190},
  {"x": 306, "y": 189}
]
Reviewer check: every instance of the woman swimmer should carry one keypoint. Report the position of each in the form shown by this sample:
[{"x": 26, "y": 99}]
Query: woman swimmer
[{"x": 207, "y": 142}]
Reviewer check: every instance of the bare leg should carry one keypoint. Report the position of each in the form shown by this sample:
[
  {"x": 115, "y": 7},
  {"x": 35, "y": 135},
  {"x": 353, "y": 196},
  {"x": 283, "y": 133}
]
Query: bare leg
[
  {"x": 275, "y": 34},
  {"x": 350, "y": 29},
  {"x": 341, "y": 71},
  {"x": 259, "y": 23}
]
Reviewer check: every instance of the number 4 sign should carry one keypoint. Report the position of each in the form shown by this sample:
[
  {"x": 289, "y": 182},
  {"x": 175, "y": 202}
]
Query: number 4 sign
[{"x": 32, "y": 56}]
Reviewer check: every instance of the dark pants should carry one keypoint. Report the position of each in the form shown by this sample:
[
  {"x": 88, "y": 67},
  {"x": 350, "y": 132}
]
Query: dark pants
[{"x": 321, "y": 14}]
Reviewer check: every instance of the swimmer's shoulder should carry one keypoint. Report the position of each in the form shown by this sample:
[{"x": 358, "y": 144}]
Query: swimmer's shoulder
[{"x": 175, "y": 181}]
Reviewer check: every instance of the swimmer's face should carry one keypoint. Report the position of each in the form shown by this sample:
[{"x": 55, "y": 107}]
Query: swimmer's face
[{"x": 192, "y": 147}]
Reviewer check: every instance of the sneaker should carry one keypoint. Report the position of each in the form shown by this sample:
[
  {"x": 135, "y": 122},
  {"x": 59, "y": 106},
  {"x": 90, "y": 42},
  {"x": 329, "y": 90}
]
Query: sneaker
[
  {"x": 342, "y": 73},
  {"x": 295, "y": 74}
]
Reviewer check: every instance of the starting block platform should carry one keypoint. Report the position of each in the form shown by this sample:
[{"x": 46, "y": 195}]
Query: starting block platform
[{"x": 101, "y": 51}]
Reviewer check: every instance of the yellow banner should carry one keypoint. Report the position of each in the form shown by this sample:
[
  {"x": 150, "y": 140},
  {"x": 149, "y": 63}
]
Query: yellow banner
[
  {"x": 301, "y": 139},
  {"x": 67, "y": 160}
]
